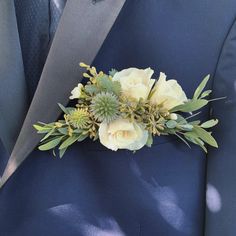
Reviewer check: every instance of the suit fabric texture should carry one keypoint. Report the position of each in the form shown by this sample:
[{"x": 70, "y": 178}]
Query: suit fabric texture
[{"x": 160, "y": 191}]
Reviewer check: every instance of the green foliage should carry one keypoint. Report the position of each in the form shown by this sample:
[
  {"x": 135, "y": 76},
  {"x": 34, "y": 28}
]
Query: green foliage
[
  {"x": 105, "y": 84},
  {"x": 91, "y": 89},
  {"x": 51, "y": 144},
  {"x": 209, "y": 123},
  {"x": 102, "y": 101},
  {"x": 190, "y": 106},
  {"x": 68, "y": 142},
  {"x": 200, "y": 88},
  {"x": 206, "y": 93}
]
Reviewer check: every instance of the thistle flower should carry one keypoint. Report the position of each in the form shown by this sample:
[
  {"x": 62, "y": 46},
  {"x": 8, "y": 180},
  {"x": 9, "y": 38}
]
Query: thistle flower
[
  {"x": 79, "y": 118},
  {"x": 105, "y": 107}
]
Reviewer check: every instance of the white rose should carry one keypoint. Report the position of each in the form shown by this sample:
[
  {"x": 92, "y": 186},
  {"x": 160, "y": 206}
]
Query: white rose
[
  {"x": 135, "y": 83},
  {"x": 122, "y": 134},
  {"x": 76, "y": 92},
  {"x": 168, "y": 92}
]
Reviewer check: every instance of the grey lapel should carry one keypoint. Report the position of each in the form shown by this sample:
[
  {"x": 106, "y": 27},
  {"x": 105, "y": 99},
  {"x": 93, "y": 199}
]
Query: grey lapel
[
  {"x": 13, "y": 94},
  {"x": 80, "y": 34}
]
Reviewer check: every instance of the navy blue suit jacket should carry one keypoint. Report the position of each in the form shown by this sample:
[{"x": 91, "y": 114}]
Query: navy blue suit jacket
[{"x": 154, "y": 192}]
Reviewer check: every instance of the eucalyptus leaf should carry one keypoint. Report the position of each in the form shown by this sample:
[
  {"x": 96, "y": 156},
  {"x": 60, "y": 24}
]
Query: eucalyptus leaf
[
  {"x": 209, "y": 123},
  {"x": 181, "y": 120},
  {"x": 106, "y": 84},
  {"x": 91, "y": 89},
  {"x": 50, "y": 145},
  {"x": 200, "y": 88},
  {"x": 171, "y": 124}
]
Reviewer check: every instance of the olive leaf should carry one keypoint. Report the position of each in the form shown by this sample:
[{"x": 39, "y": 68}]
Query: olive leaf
[
  {"x": 200, "y": 88},
  {"x": 209, "y": 123},
  {"x": 206, "y": 93},
  {"x": 64, "y": 109},
  {"x": 190, "y": 106},
  {"x": 51, "y": 144},
  {"x": 48, "y": 135},
  {"x": 69, "y": 141},
  {"x": 205, "y": 136},
  {"x": 62, "y": 152}
]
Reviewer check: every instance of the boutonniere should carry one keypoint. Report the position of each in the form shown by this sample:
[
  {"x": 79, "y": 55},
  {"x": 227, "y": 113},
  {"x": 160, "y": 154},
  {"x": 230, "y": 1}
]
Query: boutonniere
[{"x": 126, "y": 109}]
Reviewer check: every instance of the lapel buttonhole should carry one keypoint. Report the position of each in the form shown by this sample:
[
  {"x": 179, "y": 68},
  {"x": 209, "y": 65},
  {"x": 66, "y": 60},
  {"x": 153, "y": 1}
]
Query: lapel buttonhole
[{"x": 96, "y": 1}]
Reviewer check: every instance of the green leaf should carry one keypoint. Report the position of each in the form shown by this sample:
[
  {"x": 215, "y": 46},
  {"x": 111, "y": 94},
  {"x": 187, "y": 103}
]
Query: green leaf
[
  {"x": 42, "y": 129},
  {"x": 201, "y": 144},
  {"x": 209, "y": 123},
  {"x": 38, "y": 127},
  {"x": 64, "y": 109},
  {"x": 63, "y": 130},
  {"x": 62, "y": 152},
  {"x": 171, "y": 124},
  {"x": 82, "y": 137},
  {"x": 190, "y": 106},
  {"x": 205, "y": 136},
  {"x": 150, "y": 140},
  {"x": 192, "y": 137},
  {"x": 69, "y": 141},
  {"x": 200, "y": 88},
  {"x": 108, "y": 85},
  {"x": 186, "y": 127},
  {"x": 91, "y": 89},
  {"x": 195, "y": 122},
  {"x": 206, "y": 93},
  {"x": 47, "y": 135},
  {"x": 50, "y": 145},
  {"x": 181, "y": 120}
]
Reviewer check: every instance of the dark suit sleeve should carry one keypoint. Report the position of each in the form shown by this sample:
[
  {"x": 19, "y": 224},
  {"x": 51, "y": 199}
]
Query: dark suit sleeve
[{"x": 221, "y": 167}]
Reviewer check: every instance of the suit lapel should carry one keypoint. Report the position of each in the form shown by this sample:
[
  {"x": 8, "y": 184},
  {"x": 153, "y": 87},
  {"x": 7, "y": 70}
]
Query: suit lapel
[
  {"x": 80, "y": 34},
  {"x": 13, "y": 94}
]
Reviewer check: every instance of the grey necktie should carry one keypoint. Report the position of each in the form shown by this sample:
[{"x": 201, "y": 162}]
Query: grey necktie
[{"x": 37, "y": 23}]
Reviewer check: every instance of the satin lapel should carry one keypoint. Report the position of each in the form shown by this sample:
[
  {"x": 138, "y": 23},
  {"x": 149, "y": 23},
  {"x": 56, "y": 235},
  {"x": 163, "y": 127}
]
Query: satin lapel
[
  {"x": 80, "y": 34},
  {"x": 13, "y": 94}
]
